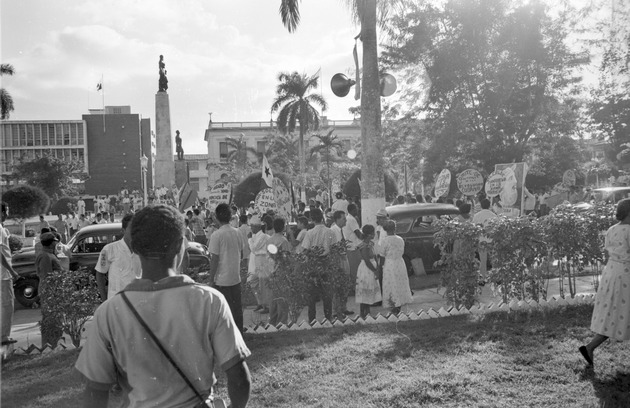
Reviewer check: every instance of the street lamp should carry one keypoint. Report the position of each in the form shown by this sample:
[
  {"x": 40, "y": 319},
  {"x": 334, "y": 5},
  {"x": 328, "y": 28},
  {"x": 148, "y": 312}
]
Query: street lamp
[{"x": 144, "y": 162}]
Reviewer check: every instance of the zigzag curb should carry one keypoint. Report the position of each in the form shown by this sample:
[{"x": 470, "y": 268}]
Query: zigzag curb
[{"x": 421, "y": 314}]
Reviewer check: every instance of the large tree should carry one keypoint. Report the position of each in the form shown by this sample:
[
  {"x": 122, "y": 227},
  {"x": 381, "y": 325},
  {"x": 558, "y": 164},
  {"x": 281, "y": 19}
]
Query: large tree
[
  {"x": 295, "y": 105},
  {"x": 240, "y": 156},
  {"x": 501, "y": 75},
  {"x": 52, "y": 175},
  {"x": 365, "y": 12},
  {"x": 6, "y": 101}
]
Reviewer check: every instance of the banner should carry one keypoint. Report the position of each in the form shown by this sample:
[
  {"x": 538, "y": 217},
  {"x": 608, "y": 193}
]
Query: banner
[
  {"x": 219, "y": 193},
  {"x": 568, "y": 178},
  {"x": 282, "y": 197},
  {"x": 186, "y": 197},
  {"x": 494, "y": 184},
  {"x": 265, "y": 201},
  {"x": 512, "y": 197},
  {"x": 442, "y": 183},
  {"x": 469, "y": 182}
]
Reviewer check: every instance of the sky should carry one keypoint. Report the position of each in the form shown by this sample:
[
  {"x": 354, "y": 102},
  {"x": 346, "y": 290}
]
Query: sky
[{"x": 222, "y": 56}]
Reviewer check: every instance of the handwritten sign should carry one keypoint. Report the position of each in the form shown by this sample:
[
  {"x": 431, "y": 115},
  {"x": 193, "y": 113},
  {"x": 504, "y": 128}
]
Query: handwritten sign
[
  {"x": 494, "y": 183},
  {"x": 265, "y": 201},
  {"x": 509, "y": 192},
  {"x": 568, "y": 178},
  {"x": 442, "y": 183},
  {"x": 283, "y": 199},
  {"x": 469, "y": 182},
  {"x": 220, "y": 193}
]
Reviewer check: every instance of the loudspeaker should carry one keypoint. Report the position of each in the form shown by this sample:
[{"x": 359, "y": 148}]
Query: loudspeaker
[
  {"x": 341, "y": 84},
  {"x": 388, "y": 85}
]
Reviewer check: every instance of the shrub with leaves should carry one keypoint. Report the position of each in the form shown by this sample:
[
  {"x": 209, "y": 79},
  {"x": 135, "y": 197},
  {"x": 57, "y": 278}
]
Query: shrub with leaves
[
  {"x": 15, "y": 243},
  {"x": 69, "y": 299},
  {"x": 516, "y": 250},
  {"x": 597, "y": 220},
  {"x": 458, "y": 243}
]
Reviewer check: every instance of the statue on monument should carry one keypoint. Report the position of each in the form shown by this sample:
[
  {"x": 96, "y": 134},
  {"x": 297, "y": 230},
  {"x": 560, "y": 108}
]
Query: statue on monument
[
  {"x": 178, "y": 146},
  {"x": 163, "y": 83}
]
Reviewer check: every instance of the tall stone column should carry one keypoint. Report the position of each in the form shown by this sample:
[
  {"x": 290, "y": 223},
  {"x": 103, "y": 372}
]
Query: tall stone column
[{"x": 164, "y": 163}]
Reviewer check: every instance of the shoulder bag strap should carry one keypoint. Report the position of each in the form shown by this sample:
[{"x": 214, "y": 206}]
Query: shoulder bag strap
[{"x": 162, "y": 349}]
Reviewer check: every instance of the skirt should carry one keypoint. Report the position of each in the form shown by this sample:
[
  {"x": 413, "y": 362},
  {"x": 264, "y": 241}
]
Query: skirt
[
  {"x": 367, "y": 289},
  {"x": 611, "y": 314}
]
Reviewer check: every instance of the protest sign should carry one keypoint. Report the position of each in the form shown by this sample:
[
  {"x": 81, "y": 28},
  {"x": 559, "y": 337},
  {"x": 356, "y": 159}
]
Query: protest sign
[
  {"x": 469, "y": 182},
  {"x": 220, "y": 193},
  {"x": 512, "y": 189},
  {"x": 265, "y": 201},
  {"x": 494, "y": 184},
  {"x": 442, "y": 183},
  {"x": 568, "y": 178},
  {"x": 282, "y": 197}
]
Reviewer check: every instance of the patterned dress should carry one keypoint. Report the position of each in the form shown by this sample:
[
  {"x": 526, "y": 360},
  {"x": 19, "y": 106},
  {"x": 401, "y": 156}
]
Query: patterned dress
[
  {"x": 396, "y": 290},
  {"x": 611, "y": 315},
  {"x": 368, "y": 290}
]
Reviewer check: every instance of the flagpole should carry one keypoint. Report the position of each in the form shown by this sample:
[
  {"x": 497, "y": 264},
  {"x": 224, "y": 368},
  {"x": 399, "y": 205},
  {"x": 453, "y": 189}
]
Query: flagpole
[{"x": 103, "y": 100}]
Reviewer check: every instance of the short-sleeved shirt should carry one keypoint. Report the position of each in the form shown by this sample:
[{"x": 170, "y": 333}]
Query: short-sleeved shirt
[
  {"x": 340, "y": 205},
  {"x": 192, "y": 321},
  {"x": 6, "y": 251},
  {"x": 81, "y": 207},
  {"x": 319, "y": 236},
  {"x": 228, "y": 244},
  {"x": 121, "y": 265},
  {"x": 196, "y": 225},
  {"x": 348, "y": 231}
]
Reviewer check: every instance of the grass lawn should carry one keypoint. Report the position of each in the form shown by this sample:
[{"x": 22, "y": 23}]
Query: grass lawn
[{"x": 524, "y": 359}]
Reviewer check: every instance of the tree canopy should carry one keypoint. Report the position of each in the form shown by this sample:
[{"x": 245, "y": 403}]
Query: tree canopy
[
  {"x": 25, "y": 201},
  {"x": 52, "y": 175},
  {"x": 6, "y": 101}
]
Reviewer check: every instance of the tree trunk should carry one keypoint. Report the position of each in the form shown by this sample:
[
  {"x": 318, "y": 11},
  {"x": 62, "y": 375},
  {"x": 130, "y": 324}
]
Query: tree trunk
[
  {"x": 301, "y": 143},
  {"x": 372, "y": 178}
]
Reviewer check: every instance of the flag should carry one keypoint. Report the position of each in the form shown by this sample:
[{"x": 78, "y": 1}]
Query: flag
[
  {"x": 99, "y": 86},
  {"x": 267, "y": 174},
  {"x": 187, "y": 197}
]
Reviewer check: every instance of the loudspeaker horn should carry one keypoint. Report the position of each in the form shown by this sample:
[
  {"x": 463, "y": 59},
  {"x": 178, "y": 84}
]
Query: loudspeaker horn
[
  {"x": 341, "y": 84},
  {"x": 388, "y": 85}
]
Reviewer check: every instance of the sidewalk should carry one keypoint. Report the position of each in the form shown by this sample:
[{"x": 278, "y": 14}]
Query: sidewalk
[{"x": 26, "y": 331}]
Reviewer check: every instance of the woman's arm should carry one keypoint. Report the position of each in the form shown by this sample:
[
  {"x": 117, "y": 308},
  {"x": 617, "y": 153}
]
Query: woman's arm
[{"x": 366, "y": 254}]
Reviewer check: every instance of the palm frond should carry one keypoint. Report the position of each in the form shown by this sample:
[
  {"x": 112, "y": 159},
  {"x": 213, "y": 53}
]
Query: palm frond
[
  {"x": 318, "y": 100},
  {"x": 290, "y": 14},
  {"x": 6, "y": 102},
  {"x": 7, "y": 69}
]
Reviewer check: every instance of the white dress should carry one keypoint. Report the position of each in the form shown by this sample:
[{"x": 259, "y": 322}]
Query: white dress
[
  {"x": 367, "y": 290},
  {"x": 611, "y": 314},
  {"x": 396, "y": 291}
]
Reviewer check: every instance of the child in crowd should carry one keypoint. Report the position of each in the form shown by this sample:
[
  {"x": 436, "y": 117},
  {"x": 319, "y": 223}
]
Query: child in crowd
[
  {"x": 368, "y": 290},
  {"x": 396, "y": 291}
]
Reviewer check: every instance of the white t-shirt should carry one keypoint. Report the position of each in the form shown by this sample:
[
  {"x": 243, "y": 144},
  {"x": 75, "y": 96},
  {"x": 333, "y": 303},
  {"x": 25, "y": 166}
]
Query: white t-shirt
[
  {"x": 340, "y": 205},
  {"x": 6, "y": 251},
  {"x": 192, "y": 321},
  {"x": 227, "y": 242},
  {"x": 351, "y": 225},
  {"x": 81, "y": 207},
  {"x": 121, "y": 264}
]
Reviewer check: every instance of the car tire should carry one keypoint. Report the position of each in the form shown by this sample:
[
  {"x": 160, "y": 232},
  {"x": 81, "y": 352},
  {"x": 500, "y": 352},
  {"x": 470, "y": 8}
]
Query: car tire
[{"x": 26, "y": 292}]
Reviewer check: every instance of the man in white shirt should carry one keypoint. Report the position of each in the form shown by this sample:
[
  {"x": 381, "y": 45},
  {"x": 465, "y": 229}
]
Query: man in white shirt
[
  {"x": 81, "y": 206},
  {"x": 118, "y": 263},
  {"x": 482, "y": 218},
  {"x": 320, "y": 236}
]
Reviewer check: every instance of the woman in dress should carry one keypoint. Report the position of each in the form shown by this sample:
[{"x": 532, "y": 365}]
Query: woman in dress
[
  {"x": 396, "y": 292},
  {"x": 611, "y": 314},
  {"x": 368, "y": 290}
]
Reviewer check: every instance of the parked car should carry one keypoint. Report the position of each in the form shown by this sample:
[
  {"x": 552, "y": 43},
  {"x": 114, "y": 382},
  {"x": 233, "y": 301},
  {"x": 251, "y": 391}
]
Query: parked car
[
  {"x": 414, "y": 226},
  {"x": 85, "y": 247}
]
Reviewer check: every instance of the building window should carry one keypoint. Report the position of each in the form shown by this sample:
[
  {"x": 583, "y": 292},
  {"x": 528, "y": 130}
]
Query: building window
[
  {"x": 223, "y": 150},
  {"x": 38, "y": 135},
  {"x": 260, "y": 147},
  {"x": 80, "y": 134},
  {"x": 193, "y": 165}
]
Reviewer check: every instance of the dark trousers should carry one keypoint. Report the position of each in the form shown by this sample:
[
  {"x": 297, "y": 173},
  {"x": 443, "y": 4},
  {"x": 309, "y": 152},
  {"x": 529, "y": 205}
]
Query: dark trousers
[
  {"x": 233, "y": 296},
  {"x": 326, "y": 296}
]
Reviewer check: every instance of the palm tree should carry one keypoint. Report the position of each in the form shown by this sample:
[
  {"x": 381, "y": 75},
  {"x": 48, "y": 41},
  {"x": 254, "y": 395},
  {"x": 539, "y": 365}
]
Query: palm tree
[
  {"x": 295, "y": 106},
  {"x": 5, "y": 97},
  {"x": 373, "y": 193},
  {"x": 239, "y": 154},
  {"x": 327, "y": 143}
]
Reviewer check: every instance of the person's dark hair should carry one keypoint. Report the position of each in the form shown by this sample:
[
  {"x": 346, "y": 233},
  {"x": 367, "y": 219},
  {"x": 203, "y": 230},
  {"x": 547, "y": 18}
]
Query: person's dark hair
[
  {"x": 301, "y": 205},
  {"x": 278, "y": 224},
  {"x": 302, "y": 219},
  {"x": 412, "y": 200},
  {"x": 243, "y": 219},
  {"x": 223, "y": 212},
  {"x": 459, "y": 203},
  {"x": 338, "y": 214},
  {"x": 465, "y": 208},
  {"x": 389, "y": 226},
  {"x": 126, "y": 220},
  {"x": 419, "y": 198},
  {"x": 623, "y": 209},
  {"x": 441, "y": 200},
  {"x": 316, "y": 215},
  {"x": 44, "y": 230},
  {"x": 157, "y": 232},
  {"x": 428, "y": 198},
  {"x": 352, "y": 207},
  {"x": 189, "y": 213},
  {"x": 400, "y": 199},
  {"x": 267, "y": 221},
  {"x": 41, "y": 216},
  {"x": 186, "y": 221},
  {"x": 339, "y": 194},
  {"x": 485, "y": 203},
  {"x": 367, "y": 229},
  {"x": 196, "y": 211}
]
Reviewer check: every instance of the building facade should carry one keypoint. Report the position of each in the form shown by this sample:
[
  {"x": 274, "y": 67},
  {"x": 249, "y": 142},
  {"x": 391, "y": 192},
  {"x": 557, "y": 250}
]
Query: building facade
[{"x": 256, "y": 135}]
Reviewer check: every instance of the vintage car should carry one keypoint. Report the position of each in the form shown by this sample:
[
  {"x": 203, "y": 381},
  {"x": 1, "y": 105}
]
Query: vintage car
[
  {"x": 414, "y": 226},
  {"x": 85, "y": 247}
]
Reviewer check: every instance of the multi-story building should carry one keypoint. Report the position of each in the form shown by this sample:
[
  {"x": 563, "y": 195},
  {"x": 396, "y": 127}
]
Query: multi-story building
[
  {"x": 256, "y": 133},
  {"x": 30, "y": 140},
  {"x": 109, "y": 143},
  {"x": 195, "y": 171}
]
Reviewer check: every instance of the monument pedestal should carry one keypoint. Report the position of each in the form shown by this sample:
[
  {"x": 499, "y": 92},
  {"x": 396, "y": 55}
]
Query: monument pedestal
[
  {"x": 181, "y": 173},
  {"x": 164, "y": 163}
]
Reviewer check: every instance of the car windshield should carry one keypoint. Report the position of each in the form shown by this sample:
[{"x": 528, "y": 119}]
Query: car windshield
[{"x": 403, "y": 224}]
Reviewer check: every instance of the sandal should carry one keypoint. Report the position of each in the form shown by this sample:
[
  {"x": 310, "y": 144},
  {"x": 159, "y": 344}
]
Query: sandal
[{"x": 586, "y": 356}]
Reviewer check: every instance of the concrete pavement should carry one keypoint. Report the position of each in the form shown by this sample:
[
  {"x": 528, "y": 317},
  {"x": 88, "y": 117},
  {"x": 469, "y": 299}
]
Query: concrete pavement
[{"x": 26, "y": 331}]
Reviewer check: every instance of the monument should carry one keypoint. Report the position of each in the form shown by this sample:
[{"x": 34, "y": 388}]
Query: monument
[{"x": 164, "y": 163}]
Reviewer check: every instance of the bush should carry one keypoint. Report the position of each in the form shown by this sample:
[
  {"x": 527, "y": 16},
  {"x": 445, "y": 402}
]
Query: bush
[
  {"x": 68, "y": 299},
  {"x": 25, "y": 201},
  {"x": 63, "y": 205},
  {"x": 15, "y": 243}
]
